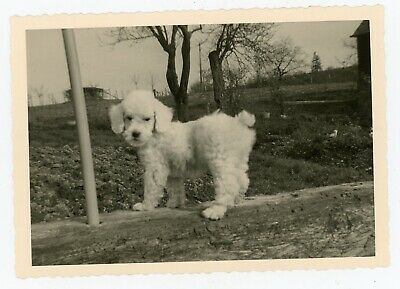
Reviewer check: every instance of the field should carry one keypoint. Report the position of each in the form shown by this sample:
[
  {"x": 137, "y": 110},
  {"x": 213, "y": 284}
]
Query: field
[{"x": 290, "y": 153}]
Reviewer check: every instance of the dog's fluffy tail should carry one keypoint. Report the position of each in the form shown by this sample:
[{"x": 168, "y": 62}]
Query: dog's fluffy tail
[{"x": 246, "y": 118}]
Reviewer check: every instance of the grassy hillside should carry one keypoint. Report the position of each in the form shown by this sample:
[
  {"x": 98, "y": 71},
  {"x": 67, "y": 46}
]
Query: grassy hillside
[{"x": 289, "y": 154}]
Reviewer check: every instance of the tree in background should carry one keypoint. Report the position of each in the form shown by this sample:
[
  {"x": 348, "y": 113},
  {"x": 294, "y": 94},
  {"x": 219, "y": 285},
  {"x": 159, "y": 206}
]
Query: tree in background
[
  {"x": 167, "y": 37},
  {"x": 315, "y": 64},
  {"x": 207, "y": 84},
  {"x": 279, "y": 58},
  {"x": 351, "y": 57},
  {"x": 235, "y": 75},
  {"x": 238, "y": 40}
]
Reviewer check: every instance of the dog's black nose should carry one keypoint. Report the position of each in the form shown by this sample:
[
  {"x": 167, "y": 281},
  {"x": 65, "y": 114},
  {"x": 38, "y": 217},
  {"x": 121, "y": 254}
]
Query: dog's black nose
[{"x": 135, "y": 134}]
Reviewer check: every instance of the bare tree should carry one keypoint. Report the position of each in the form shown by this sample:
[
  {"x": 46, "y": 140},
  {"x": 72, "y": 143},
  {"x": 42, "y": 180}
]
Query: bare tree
[
  {"x": 234, "y": 76},
  {"x": 238, "y": 40},
  {"x": 258, "y": 68},
  {"x": 167, "y": 38},
  {"x": 351, "y": 58},
  {"x": 282, "y": 57}
]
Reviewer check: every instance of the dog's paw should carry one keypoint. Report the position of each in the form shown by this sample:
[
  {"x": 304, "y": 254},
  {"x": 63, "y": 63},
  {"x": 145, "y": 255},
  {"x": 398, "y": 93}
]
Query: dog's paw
[
  {"x": 214, "y": 212},
  {"x": 142, "y": 207}
]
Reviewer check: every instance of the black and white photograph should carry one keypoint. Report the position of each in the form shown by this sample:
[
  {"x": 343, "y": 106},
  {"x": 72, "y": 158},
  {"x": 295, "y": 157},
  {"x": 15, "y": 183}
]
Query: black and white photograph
[{"x": 201, "y": 142}]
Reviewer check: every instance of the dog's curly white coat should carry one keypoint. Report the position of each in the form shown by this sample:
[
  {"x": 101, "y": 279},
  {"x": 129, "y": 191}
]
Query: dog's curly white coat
[{"x": 171, "y": 151}]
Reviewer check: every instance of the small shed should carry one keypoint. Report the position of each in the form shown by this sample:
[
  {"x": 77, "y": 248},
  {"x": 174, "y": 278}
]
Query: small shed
[
  {"x": 89, "y": 92},
  {"x": 364, "y": 54}
]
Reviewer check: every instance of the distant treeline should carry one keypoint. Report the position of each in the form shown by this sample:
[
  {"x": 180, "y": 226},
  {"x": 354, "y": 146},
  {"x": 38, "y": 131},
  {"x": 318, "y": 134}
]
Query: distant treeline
[{"x": 330, "y": 75}]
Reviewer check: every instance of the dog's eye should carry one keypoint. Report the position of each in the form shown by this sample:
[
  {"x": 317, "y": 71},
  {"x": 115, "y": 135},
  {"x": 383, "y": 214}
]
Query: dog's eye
[
  {"x": 146, "y": 119},
  {"x": 129, "y": 118}
]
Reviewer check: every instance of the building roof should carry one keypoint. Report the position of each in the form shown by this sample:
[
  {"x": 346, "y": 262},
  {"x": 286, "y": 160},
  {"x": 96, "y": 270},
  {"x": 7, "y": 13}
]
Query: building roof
[{"x": 362, "y": 29}]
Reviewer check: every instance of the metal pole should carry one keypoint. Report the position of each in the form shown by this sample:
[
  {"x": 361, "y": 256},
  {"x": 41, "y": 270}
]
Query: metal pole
[
  {"x": 78, "y": 100},
  {"x": 201, "y": 70}
]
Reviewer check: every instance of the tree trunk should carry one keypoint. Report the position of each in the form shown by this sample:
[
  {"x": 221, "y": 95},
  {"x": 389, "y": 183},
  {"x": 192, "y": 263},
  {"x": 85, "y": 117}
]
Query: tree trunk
[
  {"x": 218, "y": 77},
  {"x": 179, "y": 89},
  {"x": 182, "y": 96},
  {"x": 181, "y": 108},
  {"x": 179, "y": 92},
  {"x": 172, "y": 78}
]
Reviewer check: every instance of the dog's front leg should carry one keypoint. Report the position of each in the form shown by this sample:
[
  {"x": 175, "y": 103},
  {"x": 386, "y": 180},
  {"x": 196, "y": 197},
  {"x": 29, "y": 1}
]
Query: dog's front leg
[{"x": 154, "y": 183}]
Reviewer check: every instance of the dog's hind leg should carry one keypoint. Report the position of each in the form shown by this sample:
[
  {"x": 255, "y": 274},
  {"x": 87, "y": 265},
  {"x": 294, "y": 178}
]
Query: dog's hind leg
[
  {"x": 227, "y": 189},
  {"x": 243, "y": 178},
  {"x": 176, "y": 192},
  {"x": 244, "y": 182}
]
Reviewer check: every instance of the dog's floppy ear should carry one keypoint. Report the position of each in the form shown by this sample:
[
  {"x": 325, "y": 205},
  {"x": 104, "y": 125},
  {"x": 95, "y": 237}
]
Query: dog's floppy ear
[
  {"x": 116, "y": 118},
  {"x": 162, "y": 116}
]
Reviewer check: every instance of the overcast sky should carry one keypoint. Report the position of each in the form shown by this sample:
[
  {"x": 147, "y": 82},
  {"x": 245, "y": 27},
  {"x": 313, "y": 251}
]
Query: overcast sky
[{"x": 115, "y": 67}]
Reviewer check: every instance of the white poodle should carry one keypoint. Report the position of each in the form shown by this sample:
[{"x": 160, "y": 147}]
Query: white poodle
[{"x": 171, "y": 151}]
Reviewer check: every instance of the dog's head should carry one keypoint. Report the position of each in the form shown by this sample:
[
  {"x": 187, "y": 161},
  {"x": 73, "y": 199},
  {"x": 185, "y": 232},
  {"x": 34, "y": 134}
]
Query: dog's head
[{"x": 139, "y": 116}]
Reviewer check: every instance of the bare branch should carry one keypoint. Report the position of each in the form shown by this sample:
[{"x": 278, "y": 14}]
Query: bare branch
[
  {"x": 282, "y": 57},
  {"x": 128, "y": 34},
  {"x": 159, "y": 34},
  {"x": 165, "y": 32},
  {"x": 199, "y": 28}
]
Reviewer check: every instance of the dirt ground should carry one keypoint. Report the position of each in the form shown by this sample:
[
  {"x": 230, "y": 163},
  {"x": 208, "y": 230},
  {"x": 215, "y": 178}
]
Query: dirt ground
[{"x": 334, "y": 221}]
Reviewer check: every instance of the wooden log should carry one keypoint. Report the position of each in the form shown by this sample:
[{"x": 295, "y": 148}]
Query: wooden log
[{"x": 334, "y": 221}]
